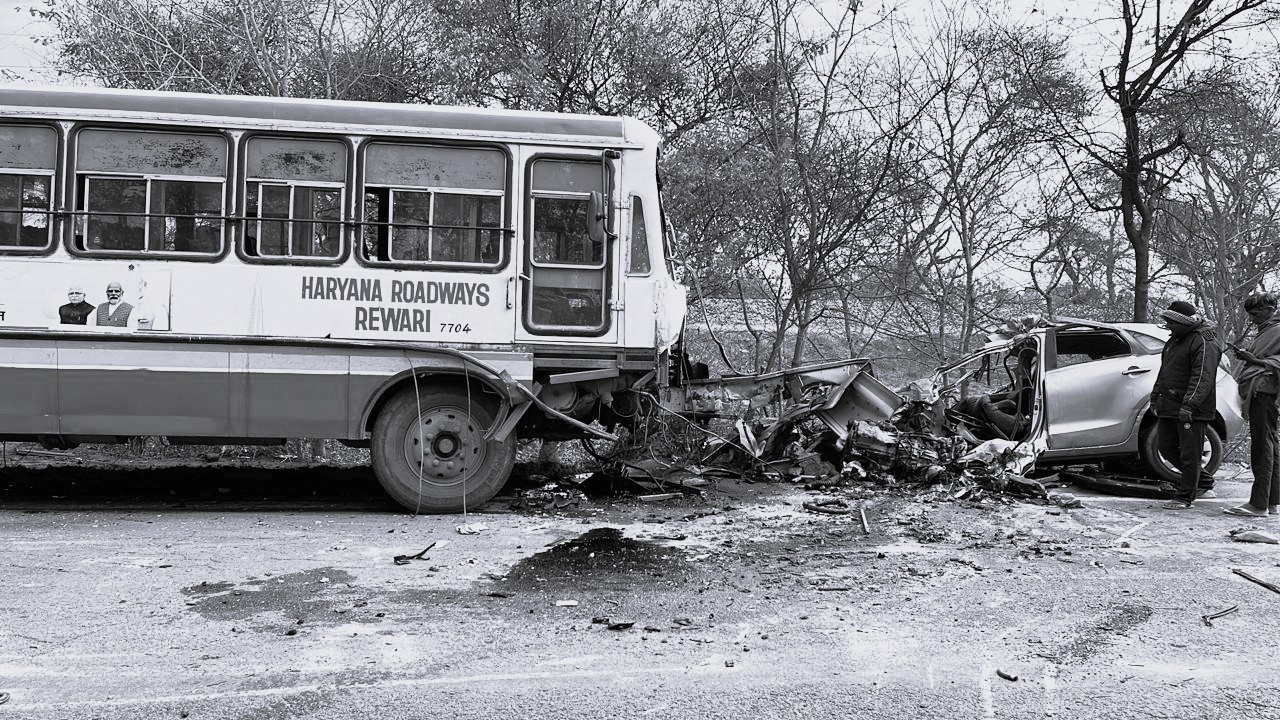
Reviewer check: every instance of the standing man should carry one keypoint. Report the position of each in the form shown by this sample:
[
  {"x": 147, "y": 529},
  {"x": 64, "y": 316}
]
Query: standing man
[
  {"x": 76, "y": 311},
  {"x": 1184, "y": 397},
  {"x": 115, "y": 311},
  {"x": 1259, "y": 384}
]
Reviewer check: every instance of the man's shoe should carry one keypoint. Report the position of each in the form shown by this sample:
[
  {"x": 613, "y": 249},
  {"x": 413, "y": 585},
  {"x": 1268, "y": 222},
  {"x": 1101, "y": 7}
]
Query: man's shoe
[
  {"x": 1177, "y": 505},
  {"x": 1246, "y": 510}
]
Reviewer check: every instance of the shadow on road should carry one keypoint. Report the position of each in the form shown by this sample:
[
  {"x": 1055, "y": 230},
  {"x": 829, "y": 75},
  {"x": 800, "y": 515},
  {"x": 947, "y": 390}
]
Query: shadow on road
[{"x": 177, "y": 487}]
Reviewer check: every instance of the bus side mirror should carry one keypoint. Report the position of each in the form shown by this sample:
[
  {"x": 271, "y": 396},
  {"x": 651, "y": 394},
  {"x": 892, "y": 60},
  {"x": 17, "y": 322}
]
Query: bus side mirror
[{"x": 596, "y": 217}]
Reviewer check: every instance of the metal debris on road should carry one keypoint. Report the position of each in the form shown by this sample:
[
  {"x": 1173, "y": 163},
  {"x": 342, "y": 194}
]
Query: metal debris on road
[
  {"x": 1207, "y": 619},
  {"x": 1251, "y": 578},
  {"x": 406, "y": 559}
]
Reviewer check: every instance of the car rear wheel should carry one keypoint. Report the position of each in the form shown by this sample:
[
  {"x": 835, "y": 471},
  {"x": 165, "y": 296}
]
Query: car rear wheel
[
  {"x": 430, "y": 453},
  {"x": 1211, "y": 457}
]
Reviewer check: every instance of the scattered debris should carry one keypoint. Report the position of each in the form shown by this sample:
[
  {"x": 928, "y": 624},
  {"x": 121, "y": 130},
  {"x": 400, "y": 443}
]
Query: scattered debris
[
  {"x": 1065, "y": 500},
  {"x": 622, "y": 625},
  {"x": 1251, "y": 578},
  {"x": 554, "y": 496},
  {"x": 566, "y": 603},
  {"x": 472, "y": 528},
  {"x": 406, "y": 559},
  {"x": 866, "y": 529},
  {"x": 659, "y": 496},
  {"x": 830, "y": 507},
  {"x": 1207, "y": 619},
  {"x": 1251, "y": 534},
  {"x": 1007, "y": 676}
]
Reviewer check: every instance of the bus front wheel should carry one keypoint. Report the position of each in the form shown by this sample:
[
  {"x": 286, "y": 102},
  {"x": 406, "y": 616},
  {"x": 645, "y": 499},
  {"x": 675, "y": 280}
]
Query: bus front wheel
[{"x": 430, "y": 453}]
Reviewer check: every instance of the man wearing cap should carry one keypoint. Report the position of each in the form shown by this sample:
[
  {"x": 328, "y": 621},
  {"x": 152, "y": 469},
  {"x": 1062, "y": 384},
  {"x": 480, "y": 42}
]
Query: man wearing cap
[
  {"x": 76, "y": 311},
  {"x": 1259, "y": 381},
  {"x": 1184, "y": 397}
]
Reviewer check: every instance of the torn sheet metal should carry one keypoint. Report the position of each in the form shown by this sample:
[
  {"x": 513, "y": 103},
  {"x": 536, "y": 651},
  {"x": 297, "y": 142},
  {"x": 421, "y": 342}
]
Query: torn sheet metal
[
  {"x": 858, "y": 398},
  {"x": 752, "y": 392}
]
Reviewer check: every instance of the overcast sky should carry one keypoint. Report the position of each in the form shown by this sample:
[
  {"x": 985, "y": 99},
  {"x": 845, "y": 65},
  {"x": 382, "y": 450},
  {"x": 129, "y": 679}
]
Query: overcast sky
[
  {"x": 19, "y": 31},
  {"x": 21, "y": 53}
]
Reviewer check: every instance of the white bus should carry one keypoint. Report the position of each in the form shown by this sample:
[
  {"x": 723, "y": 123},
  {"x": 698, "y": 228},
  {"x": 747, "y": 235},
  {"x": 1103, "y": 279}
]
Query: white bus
[{"x": 430, "y": 282}]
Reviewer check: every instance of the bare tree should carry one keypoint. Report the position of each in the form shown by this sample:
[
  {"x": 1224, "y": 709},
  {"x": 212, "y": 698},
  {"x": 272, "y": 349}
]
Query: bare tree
[
  {"x": 350, "y": 49},
  {"x": 983, "y": 121},
  {"x": 1153, "y": 70},
  {"x": 1220, "y": 229},
  {"x": 670, "y": 63}
]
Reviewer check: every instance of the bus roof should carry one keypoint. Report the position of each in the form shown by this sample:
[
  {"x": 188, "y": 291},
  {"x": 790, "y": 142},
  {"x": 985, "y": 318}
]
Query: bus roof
[{"x": 255, "y": 112}]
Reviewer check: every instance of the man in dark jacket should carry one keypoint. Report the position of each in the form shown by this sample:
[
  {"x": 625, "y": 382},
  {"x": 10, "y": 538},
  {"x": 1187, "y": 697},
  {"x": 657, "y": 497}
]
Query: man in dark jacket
[{"x": 1184, "y": 397}]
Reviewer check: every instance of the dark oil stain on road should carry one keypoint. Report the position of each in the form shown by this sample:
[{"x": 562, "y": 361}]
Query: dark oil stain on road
[
  {"x": 309, "y": 596},
  {"x": 1099, "y": 634},
  {"x": 601, "y": 558}
]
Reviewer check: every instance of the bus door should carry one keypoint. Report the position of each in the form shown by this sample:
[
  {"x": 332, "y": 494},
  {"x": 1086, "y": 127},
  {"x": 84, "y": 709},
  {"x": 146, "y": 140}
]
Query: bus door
[{"x": 568, "y": 266}]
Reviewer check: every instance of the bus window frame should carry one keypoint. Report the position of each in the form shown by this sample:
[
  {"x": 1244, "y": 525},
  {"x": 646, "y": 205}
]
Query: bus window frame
[
  {"x": 628, "y": 252},
  {"x": 73, "y": 197},
  {"x": 49, "y": 213},
  {"x": 609, "y": 181},
  {"x": 53, "y": 213},
  {"x": 82, "y": 214},
  {"x": 534, "y": 197},
  {"x": 434, "y": 192},
  {"x": 258, "y": 219},
  {"x": 346, "y": 216},
  {"x": 508, "y": 229}
]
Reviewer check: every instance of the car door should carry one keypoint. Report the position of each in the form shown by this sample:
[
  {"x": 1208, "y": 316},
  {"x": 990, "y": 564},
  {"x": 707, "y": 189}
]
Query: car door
[{"x": 1096, "y": 388}]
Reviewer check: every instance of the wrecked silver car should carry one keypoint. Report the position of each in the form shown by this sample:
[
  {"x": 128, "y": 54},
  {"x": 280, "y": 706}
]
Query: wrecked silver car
[
  {"x": 1076, "y": 391},
  {"x": 1041, "y": 392}
]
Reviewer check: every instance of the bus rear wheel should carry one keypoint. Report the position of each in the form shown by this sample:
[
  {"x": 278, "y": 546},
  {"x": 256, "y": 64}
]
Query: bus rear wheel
[{"x": 430, "y": 453}]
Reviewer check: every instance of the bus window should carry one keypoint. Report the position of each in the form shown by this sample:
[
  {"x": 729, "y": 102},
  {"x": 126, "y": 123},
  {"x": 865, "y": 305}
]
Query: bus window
[
  {"x": 567, "y": 275},
  {"x": 437, "y": 205},
  {"x": 294, "y": 197},
  {"x": 27, "y": 155},
  {"x": 142, "y": 191},
  {"x": 638, "y": 258}
]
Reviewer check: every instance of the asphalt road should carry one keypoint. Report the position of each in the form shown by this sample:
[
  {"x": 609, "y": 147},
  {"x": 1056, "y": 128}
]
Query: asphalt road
[{"x": 229, "y": 593}]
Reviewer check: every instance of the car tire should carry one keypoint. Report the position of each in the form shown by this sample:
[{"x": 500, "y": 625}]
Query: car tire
[
  {"x": 430, "y": 453},
  {"x": 1165, "y": 470}
]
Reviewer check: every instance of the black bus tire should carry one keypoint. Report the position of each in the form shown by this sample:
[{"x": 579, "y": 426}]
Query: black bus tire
[
  {"x": 430, "y": 455},
  {"x": 1168, "y": 471}
]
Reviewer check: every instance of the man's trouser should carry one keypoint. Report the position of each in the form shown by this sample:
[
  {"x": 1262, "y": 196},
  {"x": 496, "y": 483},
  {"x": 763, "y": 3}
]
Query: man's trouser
[{"x": 1182, "y": 443}]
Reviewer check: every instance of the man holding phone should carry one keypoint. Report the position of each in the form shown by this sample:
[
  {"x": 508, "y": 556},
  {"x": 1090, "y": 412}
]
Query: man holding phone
[{"x": 1259, "y": 382}]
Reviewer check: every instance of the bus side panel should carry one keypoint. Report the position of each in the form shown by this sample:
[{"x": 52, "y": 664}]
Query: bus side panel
[
  {"x": 109, "y": 387},
  {"x": 28, "y": 387},
  {"x": 297, "y": 392}
]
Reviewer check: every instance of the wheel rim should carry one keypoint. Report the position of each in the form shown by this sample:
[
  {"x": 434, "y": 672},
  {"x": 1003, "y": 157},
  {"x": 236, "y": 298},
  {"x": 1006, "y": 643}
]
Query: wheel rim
[{"x": 445, "y": 445}]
